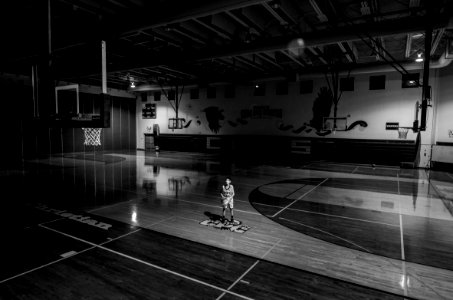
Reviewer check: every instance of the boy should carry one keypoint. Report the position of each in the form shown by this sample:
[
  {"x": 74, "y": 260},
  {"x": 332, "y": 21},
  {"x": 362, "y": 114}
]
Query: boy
[{"x": 227, "y": 195}]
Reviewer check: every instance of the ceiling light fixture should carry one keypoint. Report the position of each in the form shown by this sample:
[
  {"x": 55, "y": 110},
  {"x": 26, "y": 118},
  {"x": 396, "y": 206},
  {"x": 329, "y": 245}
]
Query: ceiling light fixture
[{"x": 419, "y": 57}]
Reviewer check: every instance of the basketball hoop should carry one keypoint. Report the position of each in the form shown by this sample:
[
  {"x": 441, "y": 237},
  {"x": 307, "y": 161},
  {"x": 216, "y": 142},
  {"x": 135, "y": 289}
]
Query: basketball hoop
[
  {"x": 402, "y": 133},
  {"x": 92, "y": 136}
]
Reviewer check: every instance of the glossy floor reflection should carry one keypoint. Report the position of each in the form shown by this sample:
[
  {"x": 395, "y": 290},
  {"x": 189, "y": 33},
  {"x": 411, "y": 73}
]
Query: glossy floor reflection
[{"x": 342, "y": 231}]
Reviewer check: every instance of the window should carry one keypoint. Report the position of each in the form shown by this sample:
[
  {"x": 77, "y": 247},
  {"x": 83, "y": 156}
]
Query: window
[
  {"x": 347, "y": 84},
  {"x": 230, "y": 91},
  {"x": 377, "y": 82},
  {"x": 211, "y": 92},
  {"x": 281, "y": 88},
  {"x": 194, "y": 94},
  {"x": 171, "y": 95},
  {"x": 306, "y": 87},
  {"x": 260, "y": 90},
  {"x": 157, "y": 96}
]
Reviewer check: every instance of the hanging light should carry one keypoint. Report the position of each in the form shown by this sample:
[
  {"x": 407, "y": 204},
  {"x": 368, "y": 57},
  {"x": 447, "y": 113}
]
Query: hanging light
[
  {"x": 131, "y": 80},
  {"x": 419, "y": 57}
]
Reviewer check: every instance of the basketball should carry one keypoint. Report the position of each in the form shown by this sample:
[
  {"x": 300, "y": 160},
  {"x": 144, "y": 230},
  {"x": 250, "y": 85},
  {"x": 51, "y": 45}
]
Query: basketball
[{"x": 297, "y": 47}]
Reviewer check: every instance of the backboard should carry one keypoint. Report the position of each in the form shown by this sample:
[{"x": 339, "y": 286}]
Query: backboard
[
  {"x": 175, "y": 123},
  {"x": 335, "y": 124},
  {"x": 67, "y": 100}
]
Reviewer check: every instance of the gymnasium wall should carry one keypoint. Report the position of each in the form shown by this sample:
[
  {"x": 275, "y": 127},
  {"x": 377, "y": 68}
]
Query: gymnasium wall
[
  {"x": 444, "y": 115},
  {"x": 442, "y": 148},
  {"x": 374, "y": 107}
]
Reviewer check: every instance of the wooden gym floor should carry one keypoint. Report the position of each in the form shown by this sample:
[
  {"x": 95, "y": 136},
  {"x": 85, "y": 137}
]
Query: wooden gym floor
[{"x": 127, "y": 226}]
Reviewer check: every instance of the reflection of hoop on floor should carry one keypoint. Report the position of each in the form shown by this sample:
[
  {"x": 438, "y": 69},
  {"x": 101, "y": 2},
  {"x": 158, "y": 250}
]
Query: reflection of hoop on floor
[{"x": 92, "y": 136}]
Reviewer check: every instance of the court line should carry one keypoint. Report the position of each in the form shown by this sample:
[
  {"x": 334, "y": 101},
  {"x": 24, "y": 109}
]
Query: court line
[
  {"x": 47, "y": 222},
  {"x": 147, "y": 263},
  {"x": 330, "y": 215},
  {"x": 363, "y": 165},
  {"x": 172, "y": 198},
  {"x": 58, "y": 260},
  {"x": 249, "y": 269},
  {"x": 298, "y": 198},
  {"x": 404, "y": 279},
  {"x": 158, "y": 222},
  {"x": 121, "y": 236},
  {"x": 401, "y": 221},
  {"x": 450, "y": 175},
  {"x": 109, "y": 206},
  {"x": 237, "y": 280},
  {"x": 352, "y": 243},
  {"x": 216, "y": 206},
  {"x": 200, "y": 194},
  {"x": 45, "y": 265},
  {"x": 259, "y": 241},
  {"x": 286, "y": 196},
  {"x": 403, "y": 257},
  {"x": 403, "y": 282}
]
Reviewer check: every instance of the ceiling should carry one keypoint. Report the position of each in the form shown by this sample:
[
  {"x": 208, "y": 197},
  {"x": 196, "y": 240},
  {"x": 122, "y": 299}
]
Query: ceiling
[{"x": 202, "y": 42}]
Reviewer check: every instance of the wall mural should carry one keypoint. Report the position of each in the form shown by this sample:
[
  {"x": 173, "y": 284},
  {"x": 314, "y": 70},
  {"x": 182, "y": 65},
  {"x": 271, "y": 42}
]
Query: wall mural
[
  {"x": 214, "y": 115},
  {"x": 322, "y": 107},
  {"x": 256, "y": 112}
]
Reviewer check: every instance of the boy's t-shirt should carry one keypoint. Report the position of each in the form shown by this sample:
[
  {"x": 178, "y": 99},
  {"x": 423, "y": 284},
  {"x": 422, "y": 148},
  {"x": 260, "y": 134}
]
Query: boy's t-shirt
[{"x": 228, "y": 192}]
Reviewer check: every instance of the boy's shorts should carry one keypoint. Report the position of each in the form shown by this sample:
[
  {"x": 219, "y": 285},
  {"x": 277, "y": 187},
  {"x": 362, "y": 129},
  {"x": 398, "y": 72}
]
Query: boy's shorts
[{"x": 228, "y": 203}]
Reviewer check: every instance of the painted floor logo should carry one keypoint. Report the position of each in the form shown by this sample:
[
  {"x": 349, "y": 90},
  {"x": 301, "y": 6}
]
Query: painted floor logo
[
  {"x": 79, "y": 218},
  {"x": 235, "y": 226}
]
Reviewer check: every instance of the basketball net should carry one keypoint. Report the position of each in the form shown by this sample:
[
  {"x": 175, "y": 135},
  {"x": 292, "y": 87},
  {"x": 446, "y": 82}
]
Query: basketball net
[
  {"x": 92, "y": 136},
  {"x": 402, "y": 133}
]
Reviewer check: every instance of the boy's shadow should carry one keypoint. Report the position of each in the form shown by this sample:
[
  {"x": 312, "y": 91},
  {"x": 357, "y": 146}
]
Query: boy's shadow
[{"x": 213, "y": 217}]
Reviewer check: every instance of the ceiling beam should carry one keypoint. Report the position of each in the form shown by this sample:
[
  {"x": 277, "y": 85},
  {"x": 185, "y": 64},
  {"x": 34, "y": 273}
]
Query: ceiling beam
[
  {"x": 237, "y": 19},
  {"x": 274, "y": 14},
  {"x": 333, "y": 36},
  {"x": 301, "y": 64},
  {"x": 321, "y": 16},
  {"x": 439, "y": 35},
  {"x": 315, "y": 53},
  {"x": 179, "y": 13},
  {"x": 184, "y": 32},
  {"x": 231, "y": 64},
  {"x": 214, "y": 29},
  {"x": 175, "y": 71},
  {"x": 408, "y": 45},
  {"x": 354, "y": 52},
  {"x": 264, "y": 57},
  {"x": 343, "y": 49},
  {"x": 249, "y": 63}
]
